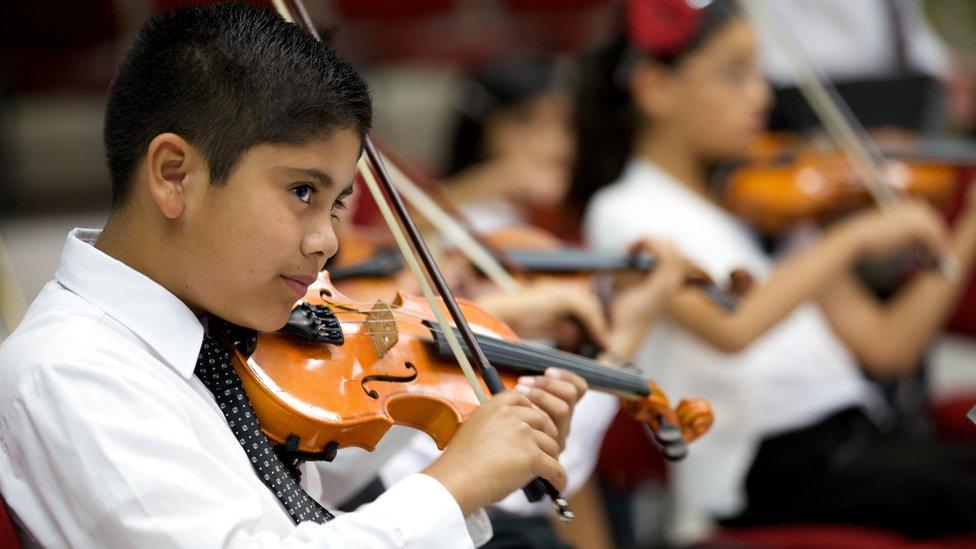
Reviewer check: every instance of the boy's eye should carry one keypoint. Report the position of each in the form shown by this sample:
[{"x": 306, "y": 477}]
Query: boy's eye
[
  {"x": 338, "y": 206},
  {"x": 303, "y": 192}
]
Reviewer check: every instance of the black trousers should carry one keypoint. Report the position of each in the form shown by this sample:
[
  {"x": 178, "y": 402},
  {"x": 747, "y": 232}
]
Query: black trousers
[
  {"x": 523, "y": 533},
  {"x": 844, "y": 471}
]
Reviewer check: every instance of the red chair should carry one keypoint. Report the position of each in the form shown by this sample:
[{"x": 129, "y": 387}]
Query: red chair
[
  {"x": 551, "y": 7},
  {"x": 8, "y": 534},
  {"x": 386, "y": 10},
  {"x": 949, "y": 418},
  {"x": 628, "y": 457},
  {"x": 835, "y": 536}
]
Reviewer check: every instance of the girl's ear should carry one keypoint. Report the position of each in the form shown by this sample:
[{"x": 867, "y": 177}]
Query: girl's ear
[
  {"x": 173, "y": 169},
  {"x": 653, "y": 89}
]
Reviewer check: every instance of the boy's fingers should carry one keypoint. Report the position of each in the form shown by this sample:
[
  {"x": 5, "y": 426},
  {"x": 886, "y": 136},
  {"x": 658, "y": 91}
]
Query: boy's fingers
[
  {"x": 548, "y": 467},
  {"x": 538, "y": 420}
]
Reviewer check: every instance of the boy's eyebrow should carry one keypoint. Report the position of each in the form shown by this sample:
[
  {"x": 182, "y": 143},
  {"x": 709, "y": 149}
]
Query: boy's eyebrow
[{"x": 323, "y": 178}]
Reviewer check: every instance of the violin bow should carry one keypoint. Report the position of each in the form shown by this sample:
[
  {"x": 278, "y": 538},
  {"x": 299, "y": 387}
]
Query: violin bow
[
  {"x": 425, "y": 194},
  {"x": 835, "y": 115},
  {"x": 372, "y": 161}
]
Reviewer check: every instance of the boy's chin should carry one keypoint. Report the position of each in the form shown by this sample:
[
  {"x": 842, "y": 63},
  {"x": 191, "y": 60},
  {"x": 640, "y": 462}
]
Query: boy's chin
[{"x": 265, "y": 321}]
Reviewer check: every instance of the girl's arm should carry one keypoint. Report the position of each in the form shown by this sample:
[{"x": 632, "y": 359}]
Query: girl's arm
[
  {"x": 806, "y": 274},
  {"x": 890, "y": 337}
]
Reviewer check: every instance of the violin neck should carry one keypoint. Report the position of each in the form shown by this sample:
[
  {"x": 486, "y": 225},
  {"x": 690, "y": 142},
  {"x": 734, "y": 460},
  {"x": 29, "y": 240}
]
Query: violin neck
[
  {"x": 536, "y": 359},
  {"x": 384, "y": 263},
  {"x": 944, "y": 151},
  {"x": 577, "y": 260}
]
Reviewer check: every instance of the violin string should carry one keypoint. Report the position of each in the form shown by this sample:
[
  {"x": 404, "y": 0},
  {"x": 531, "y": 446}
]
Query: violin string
[
  {"x": 531, "y": 357},
  {"x": 516, "y": 354},
  {"x": 412, "y": 262}
]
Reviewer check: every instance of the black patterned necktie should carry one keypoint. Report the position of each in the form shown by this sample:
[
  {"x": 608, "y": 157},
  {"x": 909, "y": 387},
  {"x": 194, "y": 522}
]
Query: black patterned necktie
[{"x": 215, "y": 370}]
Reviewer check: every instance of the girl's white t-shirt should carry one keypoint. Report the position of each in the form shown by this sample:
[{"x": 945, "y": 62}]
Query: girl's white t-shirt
[{"x": 792, "y": 377}]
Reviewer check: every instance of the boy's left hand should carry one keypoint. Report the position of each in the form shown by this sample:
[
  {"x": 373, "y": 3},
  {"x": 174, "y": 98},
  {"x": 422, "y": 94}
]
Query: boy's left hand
[{"x": 555, "y": 393}]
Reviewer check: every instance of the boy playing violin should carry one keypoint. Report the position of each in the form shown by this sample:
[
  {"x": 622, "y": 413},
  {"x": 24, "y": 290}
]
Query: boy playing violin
[{"x": 232, "y": 139}]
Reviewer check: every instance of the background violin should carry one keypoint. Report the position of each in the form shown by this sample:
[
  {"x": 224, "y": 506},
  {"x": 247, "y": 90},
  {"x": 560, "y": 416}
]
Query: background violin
[
  {"x": 369, "y": 268},
  {"x": 789, "y": 180}
]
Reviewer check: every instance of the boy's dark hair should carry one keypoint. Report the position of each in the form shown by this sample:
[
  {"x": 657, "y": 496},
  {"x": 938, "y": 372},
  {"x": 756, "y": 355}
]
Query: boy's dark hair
[{"x": 226, "y": 78}]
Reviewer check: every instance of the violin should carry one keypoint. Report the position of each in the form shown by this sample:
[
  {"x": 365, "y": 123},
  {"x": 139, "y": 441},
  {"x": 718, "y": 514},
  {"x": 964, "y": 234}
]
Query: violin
[
  {"x": 788, "y": 181},
  {"x": 369, "y": 269},
  {"x": 537, "y": 252},
  {"x": 388, "y": 199},
  {"x": 341, "y": 374},
  {"x": 875, "y": 173}
]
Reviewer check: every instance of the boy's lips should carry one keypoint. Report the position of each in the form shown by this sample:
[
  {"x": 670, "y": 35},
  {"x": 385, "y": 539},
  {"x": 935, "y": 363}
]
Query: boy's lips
[{"x": 299, "y": 283}]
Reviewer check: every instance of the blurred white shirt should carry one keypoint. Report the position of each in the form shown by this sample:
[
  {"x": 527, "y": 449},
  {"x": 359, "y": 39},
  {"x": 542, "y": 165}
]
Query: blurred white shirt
[
  {"x": 795, "y": 375},
  {"x": 107, "y": 439},
  {"x": 854, "y": 39}
]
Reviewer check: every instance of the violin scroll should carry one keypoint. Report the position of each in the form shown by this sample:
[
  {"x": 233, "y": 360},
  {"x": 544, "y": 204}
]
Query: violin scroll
[
  {"x": 671, "y": 428},
  {"x": 695, "y": 418}
]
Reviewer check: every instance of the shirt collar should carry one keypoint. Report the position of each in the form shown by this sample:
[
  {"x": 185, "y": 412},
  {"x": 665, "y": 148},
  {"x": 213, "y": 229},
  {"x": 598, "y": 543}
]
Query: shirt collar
[
  {"x": 643, "y": 172},
  {"x": 137, "y": 302}
]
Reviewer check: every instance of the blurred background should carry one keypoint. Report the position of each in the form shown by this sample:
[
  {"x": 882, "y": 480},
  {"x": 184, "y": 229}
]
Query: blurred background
[
  {"x": 900, "y": 63},
  {"x": 58, "y": 58}
]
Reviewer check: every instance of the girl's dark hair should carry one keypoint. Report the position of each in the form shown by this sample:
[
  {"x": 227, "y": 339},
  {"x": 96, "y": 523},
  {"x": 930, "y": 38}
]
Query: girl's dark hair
[
  {"x": 226, "y": 78},
  {"x": 496, "y": 88},
  {"x": 606, "y": 120}
]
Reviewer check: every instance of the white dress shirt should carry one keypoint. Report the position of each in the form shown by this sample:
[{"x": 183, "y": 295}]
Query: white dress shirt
[
  {"x": 854, "y": 39},
  {"x": 793, "y": 376},
  {"x": 107, "y": 439}
]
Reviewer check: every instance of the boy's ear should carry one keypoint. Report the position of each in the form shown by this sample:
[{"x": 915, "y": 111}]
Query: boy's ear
[
  {"x": 172, "y": 164},
  {"x": 652, "y": 88}
]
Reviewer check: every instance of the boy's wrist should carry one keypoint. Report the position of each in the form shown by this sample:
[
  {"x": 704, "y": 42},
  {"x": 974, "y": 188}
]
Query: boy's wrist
[{"x": 458, "y": 488}]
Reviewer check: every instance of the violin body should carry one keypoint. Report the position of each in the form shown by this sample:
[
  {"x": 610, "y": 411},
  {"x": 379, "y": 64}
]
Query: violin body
[
  {"x": 318, "y": 397},
  {"x": 348, "y": 393},
  {"x": 788, "y": 182}
]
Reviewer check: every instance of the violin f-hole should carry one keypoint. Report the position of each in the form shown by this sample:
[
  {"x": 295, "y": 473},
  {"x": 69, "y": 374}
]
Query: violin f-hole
[{"x": 371, "y": 393}]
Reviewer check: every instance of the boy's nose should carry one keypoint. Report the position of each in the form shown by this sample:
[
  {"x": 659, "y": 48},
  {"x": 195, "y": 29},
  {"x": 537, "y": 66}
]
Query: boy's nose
[{"x": 321, "y": 242}]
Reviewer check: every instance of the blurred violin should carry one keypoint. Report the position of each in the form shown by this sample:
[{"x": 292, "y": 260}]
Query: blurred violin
[
  {"x": 369, "y": 270},
  {"x": 536, "y": 252},
  {"x": 341, "y": 373},
  {"x": 867, "y": 160},
  {"x": 789, "y": 180}
]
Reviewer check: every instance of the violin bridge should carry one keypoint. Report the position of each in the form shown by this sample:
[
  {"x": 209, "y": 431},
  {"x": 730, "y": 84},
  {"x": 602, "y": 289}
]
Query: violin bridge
[{"x": 382, "y": 328}]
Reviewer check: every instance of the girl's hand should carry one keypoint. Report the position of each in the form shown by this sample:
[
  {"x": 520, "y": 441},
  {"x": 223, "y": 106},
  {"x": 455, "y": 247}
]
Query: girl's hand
[
  {"x": 534, "y": 309},
  {"x": 637, "y": 304},
  {"x": 882, "y": 230}
]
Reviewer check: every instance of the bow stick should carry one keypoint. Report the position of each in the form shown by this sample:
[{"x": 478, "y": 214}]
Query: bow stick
[
  {"x": 835, "y": 116},
  {"x": 537, "y": 487}
]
